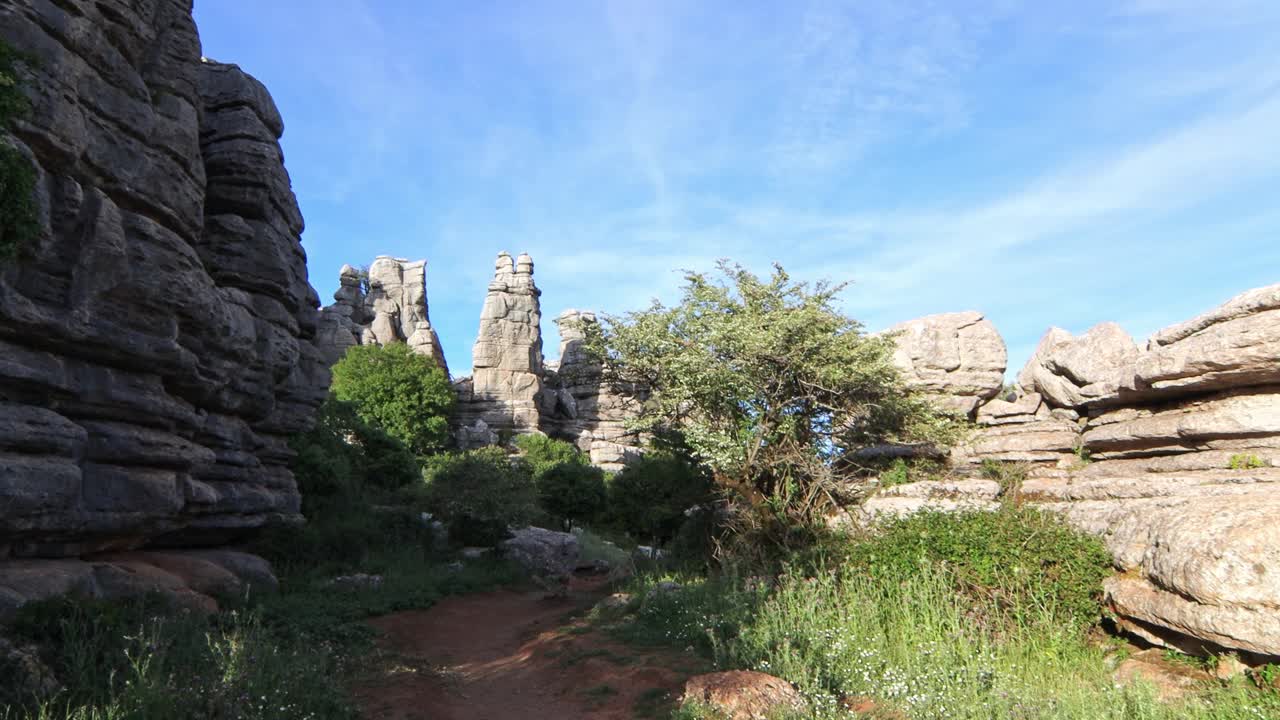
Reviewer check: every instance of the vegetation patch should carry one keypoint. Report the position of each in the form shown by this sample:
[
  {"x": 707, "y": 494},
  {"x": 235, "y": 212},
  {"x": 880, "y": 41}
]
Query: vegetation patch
[
  {"x": 400, "y": 391},
  {"x": 19, "y": 224}
]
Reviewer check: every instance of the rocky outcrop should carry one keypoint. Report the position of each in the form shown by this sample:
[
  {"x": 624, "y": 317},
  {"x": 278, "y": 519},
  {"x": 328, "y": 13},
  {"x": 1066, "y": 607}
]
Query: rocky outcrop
[
  {"x": 192, "y": 579},
  {"x": 394, "y": 309},
  {"x": 1171, "y": 454},
  {"x": 503, "y": 393},
  {"x": 156, "y": 340},
  {"x": 581, "y": 406},
  {"x": 957, "y": 359},
  {"x": 1071, "y": 372},
  {"x": 546, "y": 553}
]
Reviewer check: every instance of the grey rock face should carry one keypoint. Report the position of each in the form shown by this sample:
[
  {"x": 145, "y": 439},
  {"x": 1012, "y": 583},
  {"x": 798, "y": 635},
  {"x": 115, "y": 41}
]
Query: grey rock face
[
  {"x": 156, "y": 341},
  {"x": 581, "y": 406},
  {"x": 1179, "y": 468},
  {"x": 505, "y": 386},
  {"x": 393, "y": 310},
  {"x": 958, "y": 358}
]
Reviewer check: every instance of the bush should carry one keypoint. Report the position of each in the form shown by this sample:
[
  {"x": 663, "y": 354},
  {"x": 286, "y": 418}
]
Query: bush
[
  {"x": 480, "y": 493},
  {"x": 18, "y": 221},
  {"x": 1016, "y": 563},
  {"x": 344, "y": 457},
  {"x": 648, "y": 498},
  {"x": 542, "y": 452},
  {"x": 572, "y": 491},
  {"x": 398, "y": 390}
]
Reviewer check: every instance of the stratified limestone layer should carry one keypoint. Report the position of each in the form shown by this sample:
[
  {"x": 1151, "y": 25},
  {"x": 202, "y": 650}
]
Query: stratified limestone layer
[{"x": 156, "y": 339}]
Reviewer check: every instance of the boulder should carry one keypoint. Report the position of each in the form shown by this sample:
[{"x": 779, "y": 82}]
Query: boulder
[
  {"x": 545, "y": 553},
  {"x": 958, "y": 359},
  {"x": 742, "y": 695},
  {"x": 1070, "y": 372}
]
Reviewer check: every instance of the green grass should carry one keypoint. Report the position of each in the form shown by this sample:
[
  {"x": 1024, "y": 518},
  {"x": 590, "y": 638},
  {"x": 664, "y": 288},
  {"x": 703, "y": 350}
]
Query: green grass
[
  {"x": 276, "y": 657},
  {"x": 966, "y": 616}
]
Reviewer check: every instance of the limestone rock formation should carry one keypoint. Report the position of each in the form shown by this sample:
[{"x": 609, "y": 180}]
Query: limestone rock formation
[
  {"x": 156, "y": 340},
  {"x": 958, "y": 358},
  {"x": 1071, "y": 372},
  {"x": 505, "y": 386},
  {"x": 581, "y": 406},
  {"x": 393, "y": 310},
  {"x": 1171, "y": 454}
]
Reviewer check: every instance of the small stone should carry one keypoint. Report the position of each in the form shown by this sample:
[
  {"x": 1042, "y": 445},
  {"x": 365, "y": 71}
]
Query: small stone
[{"x": 742, "y": 694}]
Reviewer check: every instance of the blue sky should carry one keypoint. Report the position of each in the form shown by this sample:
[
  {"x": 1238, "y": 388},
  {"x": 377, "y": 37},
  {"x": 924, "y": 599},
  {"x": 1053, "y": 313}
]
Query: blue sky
[{"x": 1045, "y": 163}]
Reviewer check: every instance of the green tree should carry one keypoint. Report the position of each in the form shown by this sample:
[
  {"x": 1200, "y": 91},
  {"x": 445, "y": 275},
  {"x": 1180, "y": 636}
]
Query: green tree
[
  {"x": 649, "y": 497},
  {"x": 771, "y": 387},
  {"x": 480, "y": 493},
  {"x": 18, "y": 221},
  {"x": 398, "y": 390}
]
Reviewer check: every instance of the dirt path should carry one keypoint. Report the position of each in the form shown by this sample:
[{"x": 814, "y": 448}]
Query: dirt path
[{"x": 515, "y": 656}]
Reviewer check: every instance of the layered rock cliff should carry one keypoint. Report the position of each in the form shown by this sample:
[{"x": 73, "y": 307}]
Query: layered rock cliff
[
  {"x": 1169, "y": 452},
  {"x": 156, "y": 340}
]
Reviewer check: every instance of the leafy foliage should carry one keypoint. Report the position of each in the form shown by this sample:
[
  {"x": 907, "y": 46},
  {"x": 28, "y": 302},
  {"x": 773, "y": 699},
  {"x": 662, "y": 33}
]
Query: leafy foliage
[
  {"x": 771, "y": 386},
  {"x": 572, "y": 491},
  {"x": 18, "y": 221},
  {"x": 1241, "y": 461},
  {"x": 480, "y": 493},
  {"x": 343, "y": 456},
  {"x": 648, "y": 498},
  {"x": 1018, "y": 561},
  {"x": 569, "y": 487},
  {"x": 543, "y": 452},
  {"x": 400, "y": 391}
]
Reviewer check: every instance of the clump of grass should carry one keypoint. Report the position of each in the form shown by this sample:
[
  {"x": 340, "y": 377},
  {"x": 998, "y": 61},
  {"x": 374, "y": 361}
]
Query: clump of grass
[
  {"x": 975, "y": 615},
  {"x": 1009, "y": 475},
  {"x": 1241, "y": 461}
]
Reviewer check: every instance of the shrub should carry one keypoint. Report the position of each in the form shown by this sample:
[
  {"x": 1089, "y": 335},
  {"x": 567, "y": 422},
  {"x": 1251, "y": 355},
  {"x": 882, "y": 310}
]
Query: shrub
[
  {"x": 480, "y": 493},
  {"x": 572, "y": 491},
  {"x": 1009, "y": 475},
  {"x": 400, "y": 391},
  {"x": 648, "y": 498},
  {"x": 18, "y": 221},
  {"x": 343, "y": 457},
  {"x": 542, "y": 452},
  {"x": 1016, "y": 562}
]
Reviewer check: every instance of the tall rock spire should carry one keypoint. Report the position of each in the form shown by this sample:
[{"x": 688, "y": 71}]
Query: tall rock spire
[{"x": 506, "y": 382}]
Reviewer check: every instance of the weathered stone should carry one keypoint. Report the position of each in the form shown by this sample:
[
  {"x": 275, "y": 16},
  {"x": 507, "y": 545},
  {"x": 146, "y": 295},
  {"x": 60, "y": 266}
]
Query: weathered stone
[
  {"x": 942, "y": 496},
  {"x": 581, "y": 406},
  {"x": 393, "y": 310},
  {"x": 958, "y": 359},
  {"x": 1171, "y": 682},
  {"x": 165, "y": 294},
  {"x": 1234, "y": 345},
  {"x": 1042, "y": 440},
  {"x": 505, "y": 386},
  {"x": 546, "y": 553},
  {"x": 1071, "y": 372},
  {"x": 1184, "y": 427},
  {"x": 742, "y": 695}
]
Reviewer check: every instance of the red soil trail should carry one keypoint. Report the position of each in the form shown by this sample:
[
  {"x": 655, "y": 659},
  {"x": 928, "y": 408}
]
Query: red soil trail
[{"x": 511, "y": 655}]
